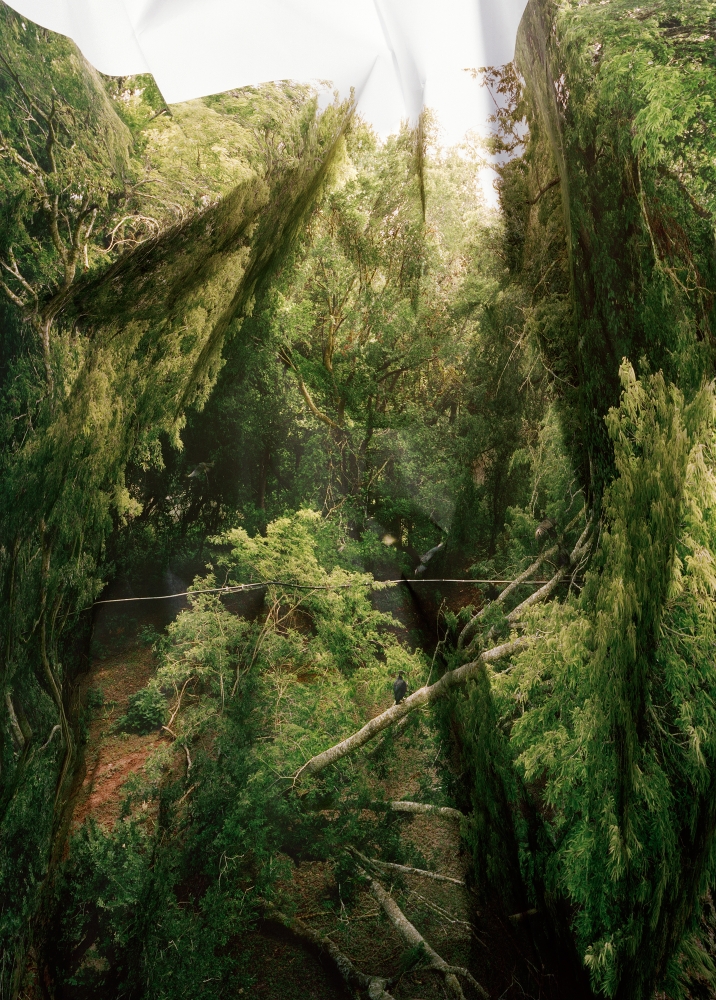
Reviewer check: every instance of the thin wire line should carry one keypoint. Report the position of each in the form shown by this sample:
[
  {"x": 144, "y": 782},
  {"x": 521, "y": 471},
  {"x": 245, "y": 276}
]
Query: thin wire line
[{"x": 243, "y": 587}]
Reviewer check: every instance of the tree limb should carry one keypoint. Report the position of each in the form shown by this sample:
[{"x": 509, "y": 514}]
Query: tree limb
[
  {"x": 15, "y": 299},
  {"x": 544, "y": 592},
  {"x": 323, "y": 417},
  {"x": 423, "y": 807},
  {"x": 469, "y": 629},
  {"x": 374, "y": 985},
  {"x": 424, "y": 696},
  {"x": 553, "y": 183},
  {"x": 405, "y": 869},
  {"x": 17, "y": 733},
  {"x": 414, "y": 939}
]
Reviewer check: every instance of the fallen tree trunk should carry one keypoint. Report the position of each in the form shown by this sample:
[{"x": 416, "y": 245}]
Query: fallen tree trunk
[
  {"x": 544, "y": 592},
  {"x": 469, "y": 630},
  {"x": 397, "y": 730},
  {"x": 405, "y": 869},
  {"x": 539, "y": 595},
  {"x": 414, "y": 939},
  {"x": 579, "y": 552},
  {"x": 422, "y": 807},
  {"x": 423, "y": 696},
  {"x": 375, "y": 986}
]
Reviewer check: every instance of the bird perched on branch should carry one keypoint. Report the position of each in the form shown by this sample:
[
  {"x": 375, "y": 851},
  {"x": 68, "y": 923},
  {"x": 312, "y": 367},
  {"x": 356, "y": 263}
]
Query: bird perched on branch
[
  {"x": 545, "y": 529},
  {"x": 400, "y": 689}
]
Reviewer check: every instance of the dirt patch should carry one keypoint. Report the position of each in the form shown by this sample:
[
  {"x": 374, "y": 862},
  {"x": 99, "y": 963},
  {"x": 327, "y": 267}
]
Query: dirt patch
[
  {"x": 121, "y": 664},
  {"x": 100, "y": 795}
]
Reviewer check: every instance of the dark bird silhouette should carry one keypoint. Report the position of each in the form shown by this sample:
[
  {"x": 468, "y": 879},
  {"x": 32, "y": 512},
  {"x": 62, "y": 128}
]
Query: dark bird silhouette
[
  {"x": 400, "y": 689},
  {"x": 545, "y": 529}
]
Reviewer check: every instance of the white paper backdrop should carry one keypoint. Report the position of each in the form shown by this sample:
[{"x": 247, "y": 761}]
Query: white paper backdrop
[{"x": 398, "y": 54}]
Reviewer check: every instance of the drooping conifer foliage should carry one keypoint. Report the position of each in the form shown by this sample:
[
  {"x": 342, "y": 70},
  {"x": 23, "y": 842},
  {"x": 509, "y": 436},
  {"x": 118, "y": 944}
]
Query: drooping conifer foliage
[{"x": 246, "y": 341}]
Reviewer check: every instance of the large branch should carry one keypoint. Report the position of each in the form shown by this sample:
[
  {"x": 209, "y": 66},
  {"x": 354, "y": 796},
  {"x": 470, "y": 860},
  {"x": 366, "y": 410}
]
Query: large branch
[
  {"x": 538, "y": 596},
  {"x": 424, "y": 696},
  {"x": 414, "y": 808},
  {"x": 435, "y": 876},
  {"x": 323, "y": 417},
  {"x": 414, "y": 939},
  {"x": 354, "y": 979},
  {"x": 579, "y": 551},
  {"x": 469, "y": 629},
  {"x": 423, "y": 807},
  {"x": 17, "y": 733},
  {"x": 544, "y": 592}
]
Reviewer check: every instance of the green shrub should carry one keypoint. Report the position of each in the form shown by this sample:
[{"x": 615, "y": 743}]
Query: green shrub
[{"x": 146, "y": 710}]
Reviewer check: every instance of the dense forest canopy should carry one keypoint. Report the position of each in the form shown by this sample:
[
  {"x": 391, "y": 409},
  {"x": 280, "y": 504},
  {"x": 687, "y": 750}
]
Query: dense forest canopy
[{"x": 386, "y": 431}]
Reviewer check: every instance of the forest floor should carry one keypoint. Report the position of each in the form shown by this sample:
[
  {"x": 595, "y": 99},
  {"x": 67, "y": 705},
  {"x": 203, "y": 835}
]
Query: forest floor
[{"x": 122, "y": 663}]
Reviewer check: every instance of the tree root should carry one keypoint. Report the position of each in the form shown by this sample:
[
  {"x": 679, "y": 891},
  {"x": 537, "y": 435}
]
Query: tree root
[
  {"x": 414, "y": 939},
  {"x": 374, "y": 986},
  {"x": 422, "y": 697}
]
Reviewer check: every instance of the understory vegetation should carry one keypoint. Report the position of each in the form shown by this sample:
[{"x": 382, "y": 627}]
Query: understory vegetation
[{"x": 385, "y": 430}]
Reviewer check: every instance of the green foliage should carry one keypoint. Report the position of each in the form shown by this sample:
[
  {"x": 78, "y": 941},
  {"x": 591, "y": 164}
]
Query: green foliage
[
  {"x": 622, "y": 135},
  {"x": 264, "y": 318},
  {"x": 611, "y": 714},
  {"x": 146, "y": 711},
  {"x": 253, "y": 699},
  {"x": 346, "y": 387},
  {"x": 113, "y": 325}
]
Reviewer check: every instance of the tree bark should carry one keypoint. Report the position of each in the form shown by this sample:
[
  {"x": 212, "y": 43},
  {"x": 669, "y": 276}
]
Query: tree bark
[
  {"x": 414, "y": 939},
  {"x": 374, "y": 985},
  {"x": 423, "y": 696}
]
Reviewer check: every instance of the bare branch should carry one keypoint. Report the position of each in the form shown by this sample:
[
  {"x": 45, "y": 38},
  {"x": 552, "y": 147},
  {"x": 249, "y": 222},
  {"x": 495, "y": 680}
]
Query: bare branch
[
  {"x": 405, "y": 869},
  {"x": 414, "y": 939},
  {"x": 324, "y": 418},
  {"x": 374, "y": 985},
  {"x": 423, "y": 696}
]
